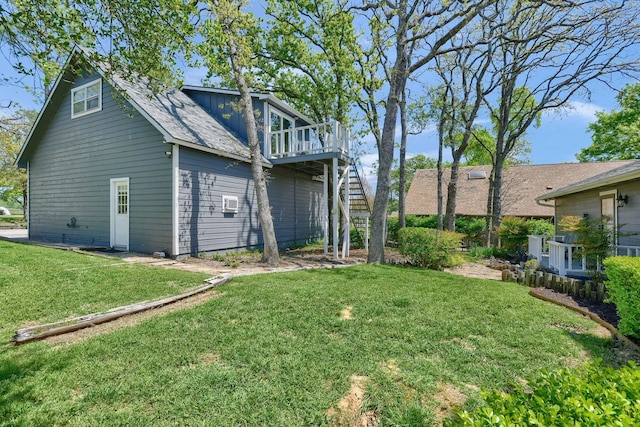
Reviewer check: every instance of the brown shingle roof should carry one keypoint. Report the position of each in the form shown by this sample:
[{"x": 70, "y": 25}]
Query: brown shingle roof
[{"x": 521, "y": 186}]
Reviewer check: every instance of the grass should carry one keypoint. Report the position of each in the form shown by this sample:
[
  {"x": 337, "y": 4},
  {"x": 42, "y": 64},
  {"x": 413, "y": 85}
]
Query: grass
[
  {"x": 12, "y": 220},
  {"x": 273, "y": 349}
]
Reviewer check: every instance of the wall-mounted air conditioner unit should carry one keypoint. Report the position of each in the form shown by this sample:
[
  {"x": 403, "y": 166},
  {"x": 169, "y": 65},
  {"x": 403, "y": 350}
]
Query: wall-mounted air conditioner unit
[{"x": 229, "y": 204}]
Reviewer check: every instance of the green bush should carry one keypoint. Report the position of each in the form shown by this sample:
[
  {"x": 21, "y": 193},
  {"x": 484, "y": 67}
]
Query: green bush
[
  {"x": 485, "y": 252},
  {"x": 540, "y": 227},
  {"x": 473, "y": 229},
  {"x": 624, "y": 291},
  {"x": 429, "y": 248},
  {"x": 513, "y": 232},
  {"x": 590, "y": 396}
]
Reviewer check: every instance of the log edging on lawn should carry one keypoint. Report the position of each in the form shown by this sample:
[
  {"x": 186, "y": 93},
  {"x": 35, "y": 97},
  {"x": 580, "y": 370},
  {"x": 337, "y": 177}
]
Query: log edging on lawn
[
  {"x": 70, "y": 325},
  {"x": 593, "y": 316}
]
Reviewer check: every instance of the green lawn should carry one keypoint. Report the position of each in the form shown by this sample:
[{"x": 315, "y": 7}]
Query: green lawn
[{"x": 273, "y": 349}]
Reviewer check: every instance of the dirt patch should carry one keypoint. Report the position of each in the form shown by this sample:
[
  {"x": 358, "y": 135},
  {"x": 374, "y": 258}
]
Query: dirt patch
[
  {"x": 345, "y": 314},
  {"x": 450, "y": 398},
  {"x": 349, "y": 411},
  {"x": 476, "y": 270},
  {"x": 390, "y": 367},
  {"x": 131, "y": 320}
]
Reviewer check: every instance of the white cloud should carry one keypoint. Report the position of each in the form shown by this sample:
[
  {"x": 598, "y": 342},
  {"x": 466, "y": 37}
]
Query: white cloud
[{"x": 578, "y": 110}]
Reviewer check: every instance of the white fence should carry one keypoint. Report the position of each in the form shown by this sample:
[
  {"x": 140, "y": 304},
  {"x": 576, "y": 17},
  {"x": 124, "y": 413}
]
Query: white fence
[{"x": 567, "y": 258}]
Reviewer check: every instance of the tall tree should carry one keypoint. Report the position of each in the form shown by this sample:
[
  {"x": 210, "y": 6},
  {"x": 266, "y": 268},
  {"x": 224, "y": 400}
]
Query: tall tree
[
  {"x": 237, "y": 29},
  {"x": 407, "y": 35},
  {"x": 14, "y": 128},
  {"x": 616, "y": 134},
  {"x": 462, "y": 72},
  {"x": 310, "y": 56},
  {"x": 546, "y": 53}
]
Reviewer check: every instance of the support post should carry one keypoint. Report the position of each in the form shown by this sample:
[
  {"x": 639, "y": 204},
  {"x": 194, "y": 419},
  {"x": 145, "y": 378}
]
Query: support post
[
  {"x": 325, "y": 208},
  {"x": 335, "y": 209}
]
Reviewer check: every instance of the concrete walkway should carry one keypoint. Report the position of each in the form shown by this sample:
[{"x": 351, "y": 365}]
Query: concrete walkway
[{"x": 17, "y": 234}]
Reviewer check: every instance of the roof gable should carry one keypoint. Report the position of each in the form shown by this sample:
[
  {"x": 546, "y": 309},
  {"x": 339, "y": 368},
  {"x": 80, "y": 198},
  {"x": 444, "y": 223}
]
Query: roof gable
[{"x": 179, "y": 119}]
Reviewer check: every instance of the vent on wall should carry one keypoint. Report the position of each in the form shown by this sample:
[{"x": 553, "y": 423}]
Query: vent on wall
[
  {"x": 477, "y": 175},
  {"x": 229, "y": 204}
]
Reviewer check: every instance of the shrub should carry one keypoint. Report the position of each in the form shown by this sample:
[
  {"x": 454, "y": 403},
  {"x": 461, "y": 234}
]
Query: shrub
[
  {"x": 590, "y": 396},
  {"x": 485, "y": 252},
  {"x": 472, "y": 228},
  {"x": 540, "y": 227},
  {"x": 624, "y": 291},
  {"x": 429, "y": 248},
  {"x": 513, "y": 233}
]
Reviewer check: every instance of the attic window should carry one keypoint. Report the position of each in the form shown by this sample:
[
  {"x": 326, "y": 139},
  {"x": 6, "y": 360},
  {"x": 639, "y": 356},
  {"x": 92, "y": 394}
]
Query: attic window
[
  {"x": 477, "y": 175},
  {"x": 86, "y": 99}
]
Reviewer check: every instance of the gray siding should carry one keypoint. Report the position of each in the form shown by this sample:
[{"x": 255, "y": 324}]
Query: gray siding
[
  {"x": 71, "y": 169},
  {"x": 204, "y": 227},
  {"x": 588, "y": 202}
]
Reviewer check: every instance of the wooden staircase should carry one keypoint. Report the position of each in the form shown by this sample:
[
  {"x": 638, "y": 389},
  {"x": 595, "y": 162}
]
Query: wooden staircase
[{"x": 359, "y": 208}]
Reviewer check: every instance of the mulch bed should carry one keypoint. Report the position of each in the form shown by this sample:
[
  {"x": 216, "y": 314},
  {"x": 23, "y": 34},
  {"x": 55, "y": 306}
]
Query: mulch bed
[{"x": 605, "y": 311}]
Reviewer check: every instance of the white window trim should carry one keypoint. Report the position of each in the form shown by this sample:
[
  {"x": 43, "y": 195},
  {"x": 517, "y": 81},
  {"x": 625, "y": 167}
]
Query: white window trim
[{"x": 84, "y": 88}]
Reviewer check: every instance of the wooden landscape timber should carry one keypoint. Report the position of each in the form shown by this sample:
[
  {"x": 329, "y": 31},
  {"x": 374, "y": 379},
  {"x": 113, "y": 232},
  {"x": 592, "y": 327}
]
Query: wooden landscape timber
[
  {"x": 583, "y": 288},
  {"x": 40, "y": 332}
]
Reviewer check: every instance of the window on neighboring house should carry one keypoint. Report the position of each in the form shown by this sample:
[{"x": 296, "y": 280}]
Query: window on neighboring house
[{"x": 86, "y": 99}]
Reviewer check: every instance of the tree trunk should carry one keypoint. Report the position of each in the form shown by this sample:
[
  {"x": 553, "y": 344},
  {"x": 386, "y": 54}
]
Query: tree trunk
[
  {"x": 403, "y": 162},
  {"x": 452, "y": 194},
  {"x": 385, "y": 151},
  {"x": 496, "y": 209},
  {"x": 440, "y": 171},
  {"x": 270, "y": 254}
]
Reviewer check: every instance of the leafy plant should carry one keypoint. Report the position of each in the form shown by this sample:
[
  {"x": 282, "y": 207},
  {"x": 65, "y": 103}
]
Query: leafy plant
[
  {"x": 624, "y": 291},
  {"x": 590, "y": 396},
  {"x": 429, "y": 248},
  {"x": 513, "y": 233},
  {"x": 540, "y": 227},
  {"x": 595, "y": 237}
]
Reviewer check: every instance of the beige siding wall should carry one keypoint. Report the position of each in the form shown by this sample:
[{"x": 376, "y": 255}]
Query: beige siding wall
[{"x": 588, "y": 202}]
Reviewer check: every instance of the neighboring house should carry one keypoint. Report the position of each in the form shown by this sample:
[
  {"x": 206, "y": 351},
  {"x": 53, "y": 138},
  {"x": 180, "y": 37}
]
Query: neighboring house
[
  {"x": 111, "y": 164},
  {"x": 612, "y": 197},
  {"x": 521, "y": 186}
]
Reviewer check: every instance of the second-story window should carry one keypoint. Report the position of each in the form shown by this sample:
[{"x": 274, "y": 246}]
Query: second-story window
[
  {"x": 280, "y": 128},
  {"x": 86, "y": 99}
]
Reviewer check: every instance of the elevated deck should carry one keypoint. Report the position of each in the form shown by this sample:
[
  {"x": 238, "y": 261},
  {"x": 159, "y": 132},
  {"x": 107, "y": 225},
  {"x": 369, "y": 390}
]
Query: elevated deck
[{"x": 309, "y": 147}]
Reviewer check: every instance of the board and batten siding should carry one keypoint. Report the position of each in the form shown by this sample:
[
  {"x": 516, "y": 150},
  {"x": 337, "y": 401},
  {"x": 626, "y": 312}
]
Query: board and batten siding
[
  {"x": 588, "y": 203},
  {"x": 224, "y": 107},
  {"x": 70, "y": 174},
  {"x": 295, "y": 198}
]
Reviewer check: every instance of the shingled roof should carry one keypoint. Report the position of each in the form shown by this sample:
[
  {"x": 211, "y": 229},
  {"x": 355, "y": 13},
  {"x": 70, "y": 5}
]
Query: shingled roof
[
  {"x": 176, "y": 116},
  {"x": 521, "y": 186}
]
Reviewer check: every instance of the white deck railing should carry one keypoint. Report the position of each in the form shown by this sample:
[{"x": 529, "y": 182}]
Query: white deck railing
[
  {"x": 567, "y": 258},
  {"x": 305, "y": 140},
  {"x": 539, "y": 244}
]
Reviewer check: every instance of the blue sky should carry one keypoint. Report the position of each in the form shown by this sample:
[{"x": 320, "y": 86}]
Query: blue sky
[{"x": 560, "y": 137}]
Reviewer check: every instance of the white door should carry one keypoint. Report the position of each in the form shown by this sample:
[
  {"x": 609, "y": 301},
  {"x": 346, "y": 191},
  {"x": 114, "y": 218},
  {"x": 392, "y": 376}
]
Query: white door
[{"x": 120, "y": 213}]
